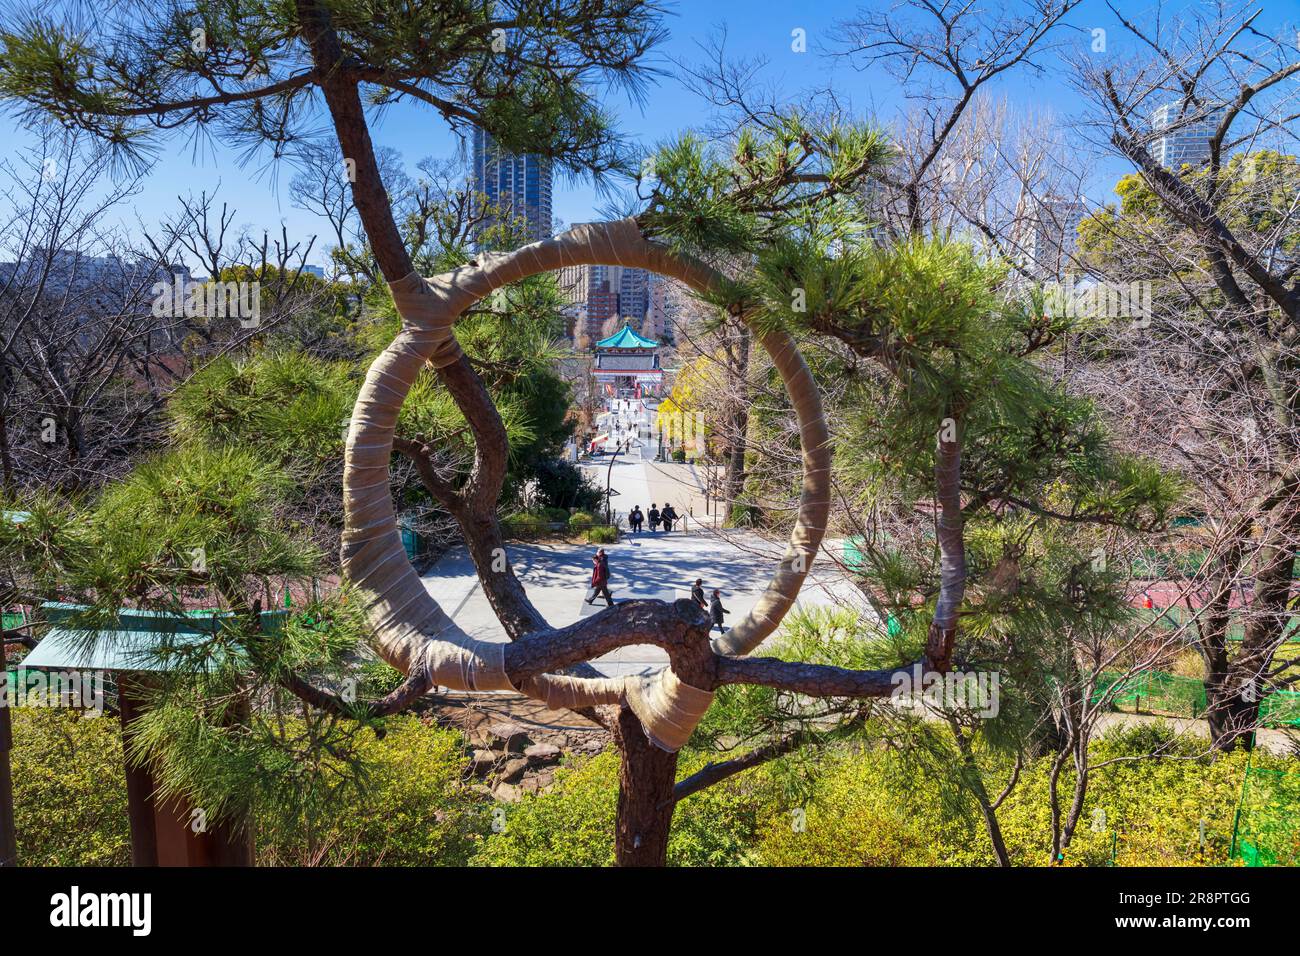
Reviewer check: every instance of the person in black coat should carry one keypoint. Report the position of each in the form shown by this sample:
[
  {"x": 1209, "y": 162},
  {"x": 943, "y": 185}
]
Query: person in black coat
[
  {"x": 654, "y": 517},
  {"x": 716, "y": 611},
  {"x": 635, "y": 517},
  {"x": 668, "y": 516},
  {"x": 697, "y": 594}
]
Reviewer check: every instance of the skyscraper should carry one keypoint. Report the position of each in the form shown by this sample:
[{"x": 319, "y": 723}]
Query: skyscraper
[
  {"x": 519, "y": 185},
  {"x": 633, "y": 294},
  {"x": 1046, "y": 233},
  {"x": 600, "y": 293},
  {"x": 1188, "y": 137},
  {"x": 658, "y": 322}
]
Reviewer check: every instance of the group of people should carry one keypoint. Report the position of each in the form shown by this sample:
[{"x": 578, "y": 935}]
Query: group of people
[
  {"x": 600, "y": 588},
  {"x": 635, "y": 517},
  {"x": 714, "y": 607}
]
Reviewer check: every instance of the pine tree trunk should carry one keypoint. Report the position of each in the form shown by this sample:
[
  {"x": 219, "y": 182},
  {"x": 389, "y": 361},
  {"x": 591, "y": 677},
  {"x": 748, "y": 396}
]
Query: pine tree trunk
[{"x": 646, "y": 776}]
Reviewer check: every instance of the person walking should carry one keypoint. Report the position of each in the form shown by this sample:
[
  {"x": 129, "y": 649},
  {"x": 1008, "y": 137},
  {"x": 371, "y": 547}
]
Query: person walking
[
  {"x": 697, "y": 594},
  {"x": 635, "y": 517},
  {"x": 654, "y": 517},
  {"x": 668, "y": 516},
  {"x": 600, "y": 579},
  {"x": 716, "y": 611}
]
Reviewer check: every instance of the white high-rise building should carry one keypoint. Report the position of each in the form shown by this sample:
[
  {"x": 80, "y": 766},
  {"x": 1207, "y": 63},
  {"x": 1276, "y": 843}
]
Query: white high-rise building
[
  {"x": 1188, "y": 138},
  {"x": 1046, "y": 234}
]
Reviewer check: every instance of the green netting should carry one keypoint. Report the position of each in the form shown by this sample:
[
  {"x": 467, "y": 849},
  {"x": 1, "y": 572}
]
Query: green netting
[
  {"x": 1161, "y": 693},
  {"x": 1267, "y": 831},
  {"x": 1155, "y": 691},
  {"x": 1156, "y": 564},
  {"x": 12, "y": 620},
  {"x": 1280, "y": 709},
  {"x": 1174, "y": 617},
  {"x": 1159, "y": 564}
]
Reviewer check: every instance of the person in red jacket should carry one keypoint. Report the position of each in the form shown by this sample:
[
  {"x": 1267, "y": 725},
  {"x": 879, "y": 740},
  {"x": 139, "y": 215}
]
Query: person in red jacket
[{"x": 600, "y": 579}]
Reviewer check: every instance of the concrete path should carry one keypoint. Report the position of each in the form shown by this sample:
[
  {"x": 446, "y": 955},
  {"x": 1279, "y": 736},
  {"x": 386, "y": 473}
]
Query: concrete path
[
  {"x": 638, "y": 479},
  {"x": 658, "y": 566}
]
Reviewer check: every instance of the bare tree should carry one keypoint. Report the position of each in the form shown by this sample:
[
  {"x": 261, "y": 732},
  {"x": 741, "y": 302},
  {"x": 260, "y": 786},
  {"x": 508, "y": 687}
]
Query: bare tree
[
  {"x": 944, "y": 55},
  {"x": 1220, "y": 359}
]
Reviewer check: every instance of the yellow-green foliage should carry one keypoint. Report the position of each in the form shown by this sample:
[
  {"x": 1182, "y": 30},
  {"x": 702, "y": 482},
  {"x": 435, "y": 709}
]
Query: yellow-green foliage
[
  {"x": 859, "y": 815},
  {"x": 411, "y": 811},
  {"x": 69, "y": 790},
  {"x": 70, "y": 800},
  {"x": 1150, "y": 809},
  {"x": 868, "y": 810},
  {"x": 863, "y": 808},
  {"x": 581, "y": 521},
  {"x": 573, "y": 825},
  {"x": 602, "y": 534}
]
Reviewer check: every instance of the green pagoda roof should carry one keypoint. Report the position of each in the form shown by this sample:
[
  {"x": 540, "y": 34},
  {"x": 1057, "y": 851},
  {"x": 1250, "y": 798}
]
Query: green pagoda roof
[{"x": 626, "y": 339}]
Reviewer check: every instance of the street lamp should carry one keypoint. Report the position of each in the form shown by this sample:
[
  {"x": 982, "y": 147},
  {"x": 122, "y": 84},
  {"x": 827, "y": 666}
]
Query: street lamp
[{"x": 609, "y": 473}]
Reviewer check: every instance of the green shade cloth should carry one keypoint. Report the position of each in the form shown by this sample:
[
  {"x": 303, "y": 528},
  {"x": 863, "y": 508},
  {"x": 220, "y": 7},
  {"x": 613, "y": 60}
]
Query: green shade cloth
[{"x": 1267, "y": 828}]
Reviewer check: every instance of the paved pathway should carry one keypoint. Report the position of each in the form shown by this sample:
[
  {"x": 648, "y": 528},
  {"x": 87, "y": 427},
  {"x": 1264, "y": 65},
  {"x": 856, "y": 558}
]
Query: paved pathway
[
  {"x": 658, "y": 566},
  {"x": 640, "y": 480}
]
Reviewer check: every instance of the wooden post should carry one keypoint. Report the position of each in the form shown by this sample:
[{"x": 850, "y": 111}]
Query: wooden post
[
  {"x": 8, "y": 834},
  {"x": 139, "y": 784},
  {"x": 172, "y": 833}
]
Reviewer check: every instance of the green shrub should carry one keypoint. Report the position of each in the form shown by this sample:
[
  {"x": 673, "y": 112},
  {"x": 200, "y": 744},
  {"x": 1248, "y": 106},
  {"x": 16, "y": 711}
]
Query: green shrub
[
  {"x": 745, "y": 516},
  {"x": 523, "y": 525},
  {"x": 860, "y": 807},
  {"x": 875, "y": 808},
  {"x": 573, "y": 823},
  {"x": 556, "y": 514},
  {"x": 411, "y": 810},
  {"x": 562, "y": 484},
  {"x": 602, "y": 534},
  {"x": 1149, "y": 810},
  {"x": 69, "y": 789},
  {"x": 679, "y": 455},
  {"x": 855, "y": 819},
  {"x": 581, "y": 520}
]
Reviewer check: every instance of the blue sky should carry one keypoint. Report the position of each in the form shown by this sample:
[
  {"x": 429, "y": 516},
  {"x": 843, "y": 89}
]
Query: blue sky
[{"x": 754, "y": 28}]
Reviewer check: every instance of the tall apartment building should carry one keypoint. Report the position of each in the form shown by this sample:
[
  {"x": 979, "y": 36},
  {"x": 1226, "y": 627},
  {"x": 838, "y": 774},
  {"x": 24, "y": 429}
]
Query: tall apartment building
[
  {"x": 598, "y": 293},
  {"x": 1046, "y": 234},
  {"x": 660, "y": 316},
  {"x": 1188, "y": 138},
  {"x": 519, "y": 185}
]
